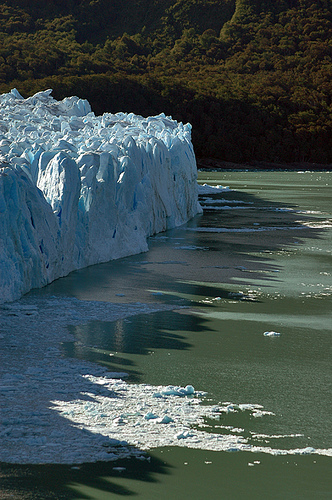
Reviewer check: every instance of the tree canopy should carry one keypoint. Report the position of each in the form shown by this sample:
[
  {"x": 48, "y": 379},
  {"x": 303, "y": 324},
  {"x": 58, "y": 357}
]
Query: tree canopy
[{"x": 252, "y": 76}]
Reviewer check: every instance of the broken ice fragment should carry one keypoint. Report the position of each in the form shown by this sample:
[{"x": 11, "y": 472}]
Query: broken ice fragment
[
  {"x": 172, "y": 390},
  {"x": 165, "y": 420},
  {"x": 184, "y": 435},
  {"x": 150, "y": 416}
]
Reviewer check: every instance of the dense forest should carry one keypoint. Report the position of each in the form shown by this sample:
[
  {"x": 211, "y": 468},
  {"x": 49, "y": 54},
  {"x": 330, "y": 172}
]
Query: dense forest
[{"x": 253, "y": 77}]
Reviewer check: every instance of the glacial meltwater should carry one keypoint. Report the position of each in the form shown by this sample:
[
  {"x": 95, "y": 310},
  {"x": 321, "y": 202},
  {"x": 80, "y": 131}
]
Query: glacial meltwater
[{"x": 221, "y": 334}]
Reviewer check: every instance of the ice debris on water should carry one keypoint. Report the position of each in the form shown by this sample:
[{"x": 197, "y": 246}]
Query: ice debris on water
[
  {"x": 78, "y": 189},
  {"x": 72, "y": 411},
  {"x": 205, "y": 189}
]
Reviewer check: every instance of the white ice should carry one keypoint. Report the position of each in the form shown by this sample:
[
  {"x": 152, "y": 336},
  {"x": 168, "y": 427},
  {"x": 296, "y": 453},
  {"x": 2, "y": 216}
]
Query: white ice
[
  {"x": 206, "y": 189},
  {"x": 78, "y": 189},
  {"x": 271, "y": 334}
]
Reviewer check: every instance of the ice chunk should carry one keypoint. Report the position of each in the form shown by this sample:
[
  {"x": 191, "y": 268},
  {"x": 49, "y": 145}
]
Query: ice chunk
[
  {"x": 205, "y": 189},
  {"x": 184, "y": 435},
  {"x": 165, "y": 420},
  {"x": 172, "y": 390},
  {"x": 307, "y": 451},
  {"x": 150, "y": 416}
]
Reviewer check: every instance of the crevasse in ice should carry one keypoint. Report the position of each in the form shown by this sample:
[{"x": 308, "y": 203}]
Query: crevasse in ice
[{"x": 78, "y": 189}]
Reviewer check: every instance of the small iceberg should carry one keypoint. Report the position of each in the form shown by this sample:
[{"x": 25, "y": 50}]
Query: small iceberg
[{"x": 172, "y": 390}]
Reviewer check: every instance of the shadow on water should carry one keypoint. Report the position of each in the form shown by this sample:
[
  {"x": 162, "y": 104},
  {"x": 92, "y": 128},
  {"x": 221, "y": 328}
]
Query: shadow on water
[
  {"x": 64, "y": 482},
  {"x": 46, "y": 382},
  {"x": 53, "y": 481},
  {"x": 199, "y": 259},
  {"x": 235, "y": 238},
  {"x": 104, "y": 342},
  {"x": 186, "y": 265},
  {"x": 227, "y": 476},
  {"x": 247, "y": 224}
]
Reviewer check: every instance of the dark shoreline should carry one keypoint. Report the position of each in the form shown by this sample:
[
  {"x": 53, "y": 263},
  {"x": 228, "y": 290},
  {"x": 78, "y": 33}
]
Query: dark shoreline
[{"x": 215, "y": 164}]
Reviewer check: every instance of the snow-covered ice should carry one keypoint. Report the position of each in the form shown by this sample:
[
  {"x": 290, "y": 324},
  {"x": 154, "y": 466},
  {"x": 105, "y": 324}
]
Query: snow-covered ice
[{"x": 78, "y": 189}]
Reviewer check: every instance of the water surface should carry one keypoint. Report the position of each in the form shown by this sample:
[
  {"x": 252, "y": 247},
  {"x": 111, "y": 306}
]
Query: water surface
[{"x": 257, "y": 260}]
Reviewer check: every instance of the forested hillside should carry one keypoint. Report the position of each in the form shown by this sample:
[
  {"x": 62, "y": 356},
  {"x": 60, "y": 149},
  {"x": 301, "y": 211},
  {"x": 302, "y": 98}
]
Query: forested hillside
[{"x": 254, "y": 77}]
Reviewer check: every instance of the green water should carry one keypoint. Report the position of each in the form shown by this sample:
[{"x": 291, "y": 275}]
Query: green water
[{"x": 235, "y": 285}]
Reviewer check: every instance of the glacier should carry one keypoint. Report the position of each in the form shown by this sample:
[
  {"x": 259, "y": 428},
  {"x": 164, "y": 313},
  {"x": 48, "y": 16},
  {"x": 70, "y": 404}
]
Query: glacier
[{"x": 78, "y": 189}]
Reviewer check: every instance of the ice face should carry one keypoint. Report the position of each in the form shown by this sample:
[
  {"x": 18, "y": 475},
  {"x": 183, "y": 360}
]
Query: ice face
[{"x": 78, "y": 189}]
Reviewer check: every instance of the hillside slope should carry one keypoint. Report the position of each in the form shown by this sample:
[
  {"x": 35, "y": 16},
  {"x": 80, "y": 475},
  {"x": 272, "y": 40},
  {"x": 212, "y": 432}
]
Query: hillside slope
[{"x": 252, "y": 76}]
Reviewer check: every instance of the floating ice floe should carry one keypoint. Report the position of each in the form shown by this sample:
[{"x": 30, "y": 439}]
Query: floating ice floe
[
  {"x": 172, "y": 390},
  {"x": 223, "y": 201},
  {"x": 78, "y": 189},
  {"x": 205, "y": 189},
  {"x": 224, "y": 207}
]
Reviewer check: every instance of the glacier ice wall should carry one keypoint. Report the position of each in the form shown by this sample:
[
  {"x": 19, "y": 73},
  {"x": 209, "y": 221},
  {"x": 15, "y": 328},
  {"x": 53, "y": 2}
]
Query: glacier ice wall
[{"x": 78, "y": 189}]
